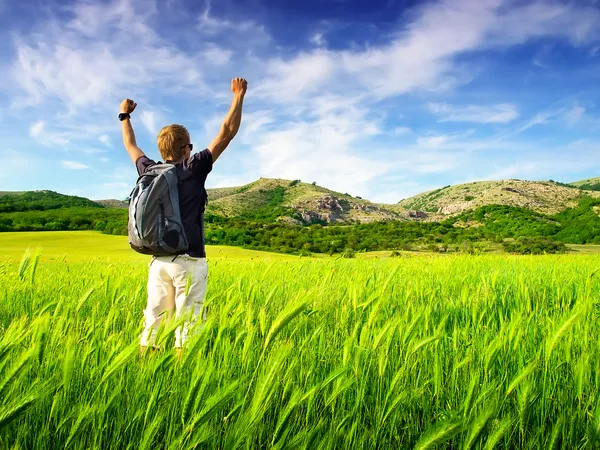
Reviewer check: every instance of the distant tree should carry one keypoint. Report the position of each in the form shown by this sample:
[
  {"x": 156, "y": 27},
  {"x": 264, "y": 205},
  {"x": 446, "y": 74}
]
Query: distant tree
[
  {"x": 534, "y": 246},
  {"x": 349, "y": 253}
]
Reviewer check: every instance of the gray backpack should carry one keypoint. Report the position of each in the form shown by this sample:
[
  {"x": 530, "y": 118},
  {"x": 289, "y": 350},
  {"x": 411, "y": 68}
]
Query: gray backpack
[{"x": 155, "y": 226}]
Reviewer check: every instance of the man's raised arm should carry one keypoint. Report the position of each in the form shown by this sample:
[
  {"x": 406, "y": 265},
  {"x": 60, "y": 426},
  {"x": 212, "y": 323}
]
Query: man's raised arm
[
  {"x": 127, "y": 107},
  {"x": 232, "y": 121}
]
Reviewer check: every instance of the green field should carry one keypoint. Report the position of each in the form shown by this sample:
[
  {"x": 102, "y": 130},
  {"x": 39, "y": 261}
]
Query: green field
[
  {"x": 91, "y": 245},
  {"x": 456, "y": 352}
]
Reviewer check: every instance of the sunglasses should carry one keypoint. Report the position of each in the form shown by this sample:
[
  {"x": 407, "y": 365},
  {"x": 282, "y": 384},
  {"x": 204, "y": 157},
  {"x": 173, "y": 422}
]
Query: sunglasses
[{"x": 191, "y": 146}]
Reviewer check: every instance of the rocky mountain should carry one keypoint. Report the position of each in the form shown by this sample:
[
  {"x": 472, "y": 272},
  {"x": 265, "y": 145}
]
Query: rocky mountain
[
  {"x": 310, "y": 203},
  {"x": 546, "y": 197}
]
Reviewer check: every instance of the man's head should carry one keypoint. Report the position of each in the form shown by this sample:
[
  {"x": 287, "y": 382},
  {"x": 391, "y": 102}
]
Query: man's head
[{"x": 174, "y": 143}]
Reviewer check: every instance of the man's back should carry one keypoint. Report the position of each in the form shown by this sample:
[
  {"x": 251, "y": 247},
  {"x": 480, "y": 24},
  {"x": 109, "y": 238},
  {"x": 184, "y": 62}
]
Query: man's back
[{"x": 192, "y": 173}]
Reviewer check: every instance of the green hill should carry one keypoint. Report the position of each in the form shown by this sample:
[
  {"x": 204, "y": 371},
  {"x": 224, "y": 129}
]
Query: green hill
[
  {"x": 591, "y": 184},
  {"x": 41, "y": 201},
  {"x": 297, "y": 202},
  {"x": 547, "y": 197}
]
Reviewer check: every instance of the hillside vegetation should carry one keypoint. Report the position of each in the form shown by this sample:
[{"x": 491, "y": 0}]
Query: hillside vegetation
[
  {"x": 42, "y": 201},
  {"x": 297, "y": 202},
  {"x": 545, "y": 197},
  {"x": 591, "y": 184},
  {"x": 294, "y": 217}
]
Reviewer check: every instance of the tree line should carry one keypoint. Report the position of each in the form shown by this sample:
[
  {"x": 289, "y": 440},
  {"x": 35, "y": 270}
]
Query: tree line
[{"x": 260, "y": 230}]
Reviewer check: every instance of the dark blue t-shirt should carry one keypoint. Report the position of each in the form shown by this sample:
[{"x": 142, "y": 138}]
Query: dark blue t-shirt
[{"x": 192, "y": 174}]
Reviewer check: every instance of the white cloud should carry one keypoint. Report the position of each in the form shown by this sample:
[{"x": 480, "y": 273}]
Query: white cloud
[
  {"x": 305, "y": 74},
  {"x": 107, "y": 191},
  {"x": 554, "y": 163},
  {"x": 432, "y": 141},
  {"x": 39, "y": 132},
  {"x": 211, "y": 25},
  {"x": 561, "y": 115},
  {"x": 422, "y": 56},
  {"x": 91, "y": 150},
  {"x": 221, "y": 181},
  {"x": 105, "y": 139},
  {"x": 216, "y": 55},
  {"x": 318, "y": 39},
  {"x": 85, "y": 63},
  {"x": 330, "y": 150},
  {"x": 500, "y": 113},
  {"x": 148, "y": 118},
  {"x": 255, "y": 122},
  {"x": 36, "y": 129},
  {"x": 73, "y": 165}
]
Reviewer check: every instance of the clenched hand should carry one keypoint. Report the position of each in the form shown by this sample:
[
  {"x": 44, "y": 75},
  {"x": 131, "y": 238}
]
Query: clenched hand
[
  {"x": 127, "y": 106},
  {"x": 239, "y": 86}
]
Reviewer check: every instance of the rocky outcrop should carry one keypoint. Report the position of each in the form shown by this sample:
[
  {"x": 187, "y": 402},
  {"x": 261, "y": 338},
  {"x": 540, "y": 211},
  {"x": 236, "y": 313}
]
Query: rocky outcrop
[
  {"x": 456, "y": 208},
  {"x": 416, "y": 214},
  {"x": 329, "y": 203},
  {"x": 113, "y": 203}
]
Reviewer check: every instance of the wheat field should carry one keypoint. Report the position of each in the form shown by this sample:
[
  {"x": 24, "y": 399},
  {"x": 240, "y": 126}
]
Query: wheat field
[{"x": 461, "y": 352}]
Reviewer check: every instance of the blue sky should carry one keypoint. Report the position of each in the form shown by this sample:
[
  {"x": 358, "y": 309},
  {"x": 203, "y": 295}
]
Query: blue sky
[{"x": 381, "y": 99}]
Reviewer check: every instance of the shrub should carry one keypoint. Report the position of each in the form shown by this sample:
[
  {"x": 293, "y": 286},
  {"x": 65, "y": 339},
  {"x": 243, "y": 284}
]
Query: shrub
[{"x": 534, "y": 246}]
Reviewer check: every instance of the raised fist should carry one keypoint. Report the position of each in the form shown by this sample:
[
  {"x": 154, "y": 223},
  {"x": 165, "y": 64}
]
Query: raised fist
[
  {"x": 239, "y": 86},
  {"x": 127, "y": 106}
]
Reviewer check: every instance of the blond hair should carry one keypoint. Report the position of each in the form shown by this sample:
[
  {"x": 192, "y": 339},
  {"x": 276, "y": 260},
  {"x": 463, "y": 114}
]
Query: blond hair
[{"x": 171, "y": 141}]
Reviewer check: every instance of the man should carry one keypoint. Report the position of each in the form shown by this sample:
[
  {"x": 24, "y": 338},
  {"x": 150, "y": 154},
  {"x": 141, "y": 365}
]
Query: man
[{"x": 178, "y": 282}]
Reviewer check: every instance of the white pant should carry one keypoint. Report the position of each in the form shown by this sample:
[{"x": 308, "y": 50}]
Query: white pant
[{"x": 174, "y": 283}]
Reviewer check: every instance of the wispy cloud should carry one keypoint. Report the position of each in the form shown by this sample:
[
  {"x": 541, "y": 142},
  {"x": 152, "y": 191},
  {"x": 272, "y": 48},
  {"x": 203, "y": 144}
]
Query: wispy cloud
[
  {"x": 422, "y": 57},
  {"x": 318, "y": 39},
  {"x": 322, "y": 150},
  {"x": 73, "y": 165},
  {"x": 84, "y": 63},
  {"x": 105, "y": 139},
  {"x": 216, "y": 55},
  {"x": 500, "y": 113},
  {"x": 211, "y": 25},
  {"x": 39, "y": 132},
  {"x": 148, "y": 118}
]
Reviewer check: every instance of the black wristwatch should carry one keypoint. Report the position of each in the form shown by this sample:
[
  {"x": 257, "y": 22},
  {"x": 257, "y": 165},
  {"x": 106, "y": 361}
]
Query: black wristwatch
[{"x": 123, "y": 116}]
